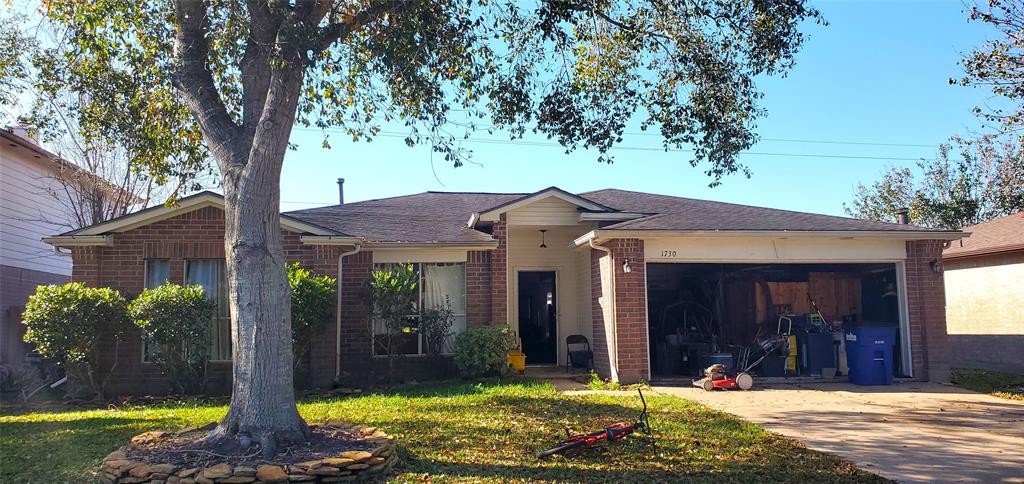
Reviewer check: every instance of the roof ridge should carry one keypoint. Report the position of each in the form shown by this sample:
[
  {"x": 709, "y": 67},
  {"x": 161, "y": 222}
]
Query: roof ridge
[{"x": 476, "y": 193}]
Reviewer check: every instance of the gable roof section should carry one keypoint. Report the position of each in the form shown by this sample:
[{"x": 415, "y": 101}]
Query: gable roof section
[
  {"x": 492, "y": 214},
  {"x": 429, "y": 218},
  {"x": 98, "y": 234},
  {"x": 1003, "y": 234},
  {"x": 687, "y": 214}
]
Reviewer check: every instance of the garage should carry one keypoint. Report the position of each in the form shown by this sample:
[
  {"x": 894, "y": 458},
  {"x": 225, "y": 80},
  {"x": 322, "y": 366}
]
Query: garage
[{"x": 701, "y": 313}]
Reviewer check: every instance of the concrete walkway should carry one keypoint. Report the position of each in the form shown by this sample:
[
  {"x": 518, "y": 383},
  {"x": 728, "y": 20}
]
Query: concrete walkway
[{"x": 910, "y": 432}]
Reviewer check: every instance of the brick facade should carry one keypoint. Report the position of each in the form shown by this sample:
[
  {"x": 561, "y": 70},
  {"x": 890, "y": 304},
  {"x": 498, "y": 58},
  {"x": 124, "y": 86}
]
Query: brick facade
[
  {"x": 192, "y": 235},
  {"x": 478, "y": 288},
  {"x": 630, "y": 326},
  {"x": 926, "y": 300},
  {"x": 499, "y": 273}
]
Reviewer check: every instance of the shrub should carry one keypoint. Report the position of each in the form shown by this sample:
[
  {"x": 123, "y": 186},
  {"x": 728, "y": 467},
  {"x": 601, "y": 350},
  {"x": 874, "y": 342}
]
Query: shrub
[
  {"x": 393, "y": 293},
  {"x": 67, "y": 323},
  {"x": 436, "y": 327},
  {"x": 484, "y": 351},
  {"x": 177, "y": 320},
  {"x": 313, "y": 299}
]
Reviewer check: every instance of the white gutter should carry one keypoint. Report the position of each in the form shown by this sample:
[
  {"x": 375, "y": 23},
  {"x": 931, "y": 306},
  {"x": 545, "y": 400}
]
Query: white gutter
[
  {"x": 337, "y": 330},
  {"x": 613, "y": 365},
  {"x": 844, "y": 234},
  {"x": 482, "y": 245},
  {"x": 79, "y": 240},
  {"x": 329, "y": 240},
  {"x": 473, "y": 220}
]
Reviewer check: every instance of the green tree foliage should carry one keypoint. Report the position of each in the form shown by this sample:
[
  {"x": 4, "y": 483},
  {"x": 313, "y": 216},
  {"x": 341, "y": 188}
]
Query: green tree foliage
[
  {"x": 435, "y": 326},
  {"x": 313, "y": 301},
  {"x": 68, "y": 323},
  {"x": 393, "y": 293},
  {"x": 178, "y": 321},
  {"x": 484, "y": 351},
  {"x": 999, "y": 65},
  {"x": 971, "y": 181}
]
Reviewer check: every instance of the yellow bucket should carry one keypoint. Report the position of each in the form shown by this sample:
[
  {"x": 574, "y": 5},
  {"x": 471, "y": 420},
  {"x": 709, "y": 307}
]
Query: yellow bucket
[{"x": 517, "y": 360}]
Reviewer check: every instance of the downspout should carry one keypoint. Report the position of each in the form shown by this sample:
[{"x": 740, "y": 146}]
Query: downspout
[
  {"x": 337, "y": 330},
  {"x": 614, "y": 363}
]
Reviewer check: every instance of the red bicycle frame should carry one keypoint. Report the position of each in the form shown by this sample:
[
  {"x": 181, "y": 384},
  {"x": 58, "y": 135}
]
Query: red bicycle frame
[{"x": 612, "y": 433}]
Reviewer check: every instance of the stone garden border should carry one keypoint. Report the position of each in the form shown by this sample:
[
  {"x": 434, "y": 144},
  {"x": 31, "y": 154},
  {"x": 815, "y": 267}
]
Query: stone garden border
[{"x": 351, "y": 465}]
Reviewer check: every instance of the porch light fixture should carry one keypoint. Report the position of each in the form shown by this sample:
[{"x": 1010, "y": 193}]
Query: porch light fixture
[
  {"x": 936, "y": 266},
  {"x": 626, "y": 267},
  {"x": 542, "y": 244}
]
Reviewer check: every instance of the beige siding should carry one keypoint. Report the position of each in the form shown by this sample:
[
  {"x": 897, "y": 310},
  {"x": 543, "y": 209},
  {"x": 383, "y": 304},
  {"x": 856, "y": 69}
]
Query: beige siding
[
  {"x": 549, "y": 211},
  {"x": 524, "y": 254},
  {"x": 987, "y": 300},
  {"x": 29, "y": 212}
]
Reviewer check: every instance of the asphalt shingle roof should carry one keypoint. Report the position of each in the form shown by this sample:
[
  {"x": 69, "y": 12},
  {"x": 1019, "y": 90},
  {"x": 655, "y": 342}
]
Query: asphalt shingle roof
[
  {"x": 442, "y": 216},
  {"x": 997, "y": 235}
]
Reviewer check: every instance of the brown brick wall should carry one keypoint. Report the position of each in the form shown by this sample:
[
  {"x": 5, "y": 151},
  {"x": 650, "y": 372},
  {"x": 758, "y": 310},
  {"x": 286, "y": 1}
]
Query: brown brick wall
[
  {"x": 499, "y": 273},
  {"x": 926, "y": 301},
  {"x": 630, "y": 311},
  {"x": 193, "y": 235},
  {"x": 478, "y": 288},
  {"x": 355, "y": 332}
]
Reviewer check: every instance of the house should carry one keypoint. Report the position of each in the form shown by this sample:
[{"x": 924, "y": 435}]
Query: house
[
  {"x": 631, "y": 271},
  {"x": 984, "y": 278},
  {"x": 28, "y": 212}
]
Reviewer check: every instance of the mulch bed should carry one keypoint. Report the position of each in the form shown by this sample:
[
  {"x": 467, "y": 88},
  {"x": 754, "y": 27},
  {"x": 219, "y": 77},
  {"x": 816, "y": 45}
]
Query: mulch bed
[{"x": 187, "y": 448}]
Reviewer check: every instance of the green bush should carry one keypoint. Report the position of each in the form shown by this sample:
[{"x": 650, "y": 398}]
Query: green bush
[
  {"x": 484, "y": 351},
  {"x": 436, "y": 327},
  {"x": 177, "y": 320},
  {"x": 67, "y": 323},
  {"x": 313, "y": 300}
]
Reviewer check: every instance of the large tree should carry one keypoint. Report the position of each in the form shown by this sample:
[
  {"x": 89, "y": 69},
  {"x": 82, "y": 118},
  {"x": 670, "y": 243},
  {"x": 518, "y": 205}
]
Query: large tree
[{"x": 233, "y": 77}]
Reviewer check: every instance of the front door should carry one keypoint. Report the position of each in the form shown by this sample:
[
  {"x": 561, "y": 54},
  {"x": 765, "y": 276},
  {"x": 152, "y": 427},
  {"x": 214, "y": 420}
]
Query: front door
[{"x": 537, "y": 312}]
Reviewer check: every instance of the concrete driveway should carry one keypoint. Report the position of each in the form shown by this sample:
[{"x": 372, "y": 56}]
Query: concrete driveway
[{"x": 910, "y": 432}]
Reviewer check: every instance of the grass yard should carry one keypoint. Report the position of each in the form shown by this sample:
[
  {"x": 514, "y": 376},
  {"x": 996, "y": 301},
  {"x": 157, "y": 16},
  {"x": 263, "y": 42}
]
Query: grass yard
[
  {"x": 995, "y": 383},
  {"x": 460, "y": 432}
]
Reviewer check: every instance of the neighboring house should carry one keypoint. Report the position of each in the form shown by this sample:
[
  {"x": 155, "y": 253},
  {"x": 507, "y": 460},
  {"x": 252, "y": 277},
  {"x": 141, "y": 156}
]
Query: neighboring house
[
  {"x": 28, "y": 212},
  {"x": 985, "y": 295},
  {"x": 630, "y": 271}
]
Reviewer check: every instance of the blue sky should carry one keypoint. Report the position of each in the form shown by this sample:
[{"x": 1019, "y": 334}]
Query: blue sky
[{"x": 878, "y": 73}]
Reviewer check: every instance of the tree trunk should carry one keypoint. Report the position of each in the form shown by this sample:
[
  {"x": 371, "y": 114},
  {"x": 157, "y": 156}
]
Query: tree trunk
[
  {"x": 263, "y": 396},
  {"x": 262, "y": 408}
]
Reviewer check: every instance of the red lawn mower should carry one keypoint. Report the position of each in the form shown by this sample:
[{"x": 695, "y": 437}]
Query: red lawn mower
[{"x": 716, "y": 377}]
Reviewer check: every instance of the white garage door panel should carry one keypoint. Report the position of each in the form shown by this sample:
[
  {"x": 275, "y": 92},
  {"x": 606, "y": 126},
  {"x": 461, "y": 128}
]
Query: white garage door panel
[{"x": 765, "y": 249}]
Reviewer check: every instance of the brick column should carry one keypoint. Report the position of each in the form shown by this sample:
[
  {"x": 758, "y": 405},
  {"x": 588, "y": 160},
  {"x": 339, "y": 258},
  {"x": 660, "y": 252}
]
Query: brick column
[
  {"x": 599, "y": 293},
  {"x": 926, "y": 301},
  {"x": 478, "y": 288},
  {"x": 499, "y": 274},
  {"x": 630, "y": 309},
  {"x": 324, "y": 261}
]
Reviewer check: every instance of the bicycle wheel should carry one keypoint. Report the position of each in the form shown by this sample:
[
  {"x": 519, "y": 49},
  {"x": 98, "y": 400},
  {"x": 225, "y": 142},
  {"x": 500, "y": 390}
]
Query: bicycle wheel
[{"x": 562, "y": 448}]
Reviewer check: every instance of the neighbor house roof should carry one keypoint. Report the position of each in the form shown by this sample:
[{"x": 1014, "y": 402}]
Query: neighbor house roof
[{"x": 1003, "y": 234}]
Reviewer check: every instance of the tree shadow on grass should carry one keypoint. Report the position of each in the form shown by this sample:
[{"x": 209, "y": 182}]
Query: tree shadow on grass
[{"x": 55, "y": 451}]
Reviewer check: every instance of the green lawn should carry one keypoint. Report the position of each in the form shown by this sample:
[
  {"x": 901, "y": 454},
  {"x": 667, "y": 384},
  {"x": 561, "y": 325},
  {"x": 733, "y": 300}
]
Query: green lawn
[
  {"x": 996, "y": 383},
  {"x": 460, "y": 432}
]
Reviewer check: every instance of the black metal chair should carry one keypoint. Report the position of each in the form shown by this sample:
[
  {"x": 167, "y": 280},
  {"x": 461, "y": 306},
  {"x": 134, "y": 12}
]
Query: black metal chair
[{"x": 582, "y": 356}]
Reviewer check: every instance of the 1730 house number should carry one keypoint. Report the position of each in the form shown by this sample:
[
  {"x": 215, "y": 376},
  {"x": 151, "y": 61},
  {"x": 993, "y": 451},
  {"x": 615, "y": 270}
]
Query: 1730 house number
[{"x": 668, "y": 253}]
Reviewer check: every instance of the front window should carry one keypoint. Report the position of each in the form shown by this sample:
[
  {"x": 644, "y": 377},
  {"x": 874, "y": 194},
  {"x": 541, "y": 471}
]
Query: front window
[
  {"x": 158, "y": 271},
  {"x": 210, "y": 274},
  {"x": 439, "y": 283}
]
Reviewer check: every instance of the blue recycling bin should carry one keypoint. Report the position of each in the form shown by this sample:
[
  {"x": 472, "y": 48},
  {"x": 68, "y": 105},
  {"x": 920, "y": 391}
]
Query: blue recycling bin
[{"x": 869, "y": 354}]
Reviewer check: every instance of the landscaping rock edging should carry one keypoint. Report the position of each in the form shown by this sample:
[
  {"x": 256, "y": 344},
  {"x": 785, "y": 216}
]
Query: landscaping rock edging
[{"x": 347, "y": 466}]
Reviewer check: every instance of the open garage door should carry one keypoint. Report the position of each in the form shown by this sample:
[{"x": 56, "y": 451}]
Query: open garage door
[{"x": 703, "y": 313}]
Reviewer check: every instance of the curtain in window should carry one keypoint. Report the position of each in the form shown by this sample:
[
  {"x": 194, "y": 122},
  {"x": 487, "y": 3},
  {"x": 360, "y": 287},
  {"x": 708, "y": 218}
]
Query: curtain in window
[
  {"x": 446, "y": 281},
  {"x": 157, "y": 272},
  {"x": 210, "y": 274}
]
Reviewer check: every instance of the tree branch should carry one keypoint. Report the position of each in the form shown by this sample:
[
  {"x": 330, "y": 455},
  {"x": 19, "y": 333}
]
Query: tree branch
[
  {"x": 343, "y": 24},
  {"x": 194, "y": 80}
]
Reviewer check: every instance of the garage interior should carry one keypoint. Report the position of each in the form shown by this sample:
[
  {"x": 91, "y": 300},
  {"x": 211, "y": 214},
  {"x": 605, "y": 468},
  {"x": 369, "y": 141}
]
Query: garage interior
[{"x": 702, "y": 314}]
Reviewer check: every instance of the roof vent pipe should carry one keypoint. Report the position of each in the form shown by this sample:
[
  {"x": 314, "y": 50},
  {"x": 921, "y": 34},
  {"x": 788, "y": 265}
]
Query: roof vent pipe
[
  {"x": 341, "y": 191},
  {"x": 903, "y": 216}
]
